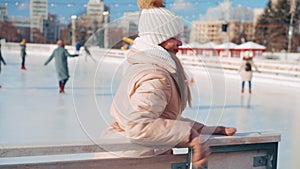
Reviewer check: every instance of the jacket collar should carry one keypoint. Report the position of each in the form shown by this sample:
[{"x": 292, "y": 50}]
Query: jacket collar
[{"x": 143, "y": 52}]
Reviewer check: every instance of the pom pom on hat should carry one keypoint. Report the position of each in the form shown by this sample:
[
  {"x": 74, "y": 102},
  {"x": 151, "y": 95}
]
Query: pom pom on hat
[
  {"x": 158, "y": 24},
  {"x": 147, "y": 4}
]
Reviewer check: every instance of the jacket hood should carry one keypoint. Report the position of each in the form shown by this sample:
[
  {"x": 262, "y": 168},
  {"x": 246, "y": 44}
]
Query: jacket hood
[{"x": 143, "y": 52}]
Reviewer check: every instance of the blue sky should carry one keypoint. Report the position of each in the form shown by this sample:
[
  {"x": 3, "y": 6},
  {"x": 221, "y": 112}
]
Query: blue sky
[{"x": 188, "y": 9}]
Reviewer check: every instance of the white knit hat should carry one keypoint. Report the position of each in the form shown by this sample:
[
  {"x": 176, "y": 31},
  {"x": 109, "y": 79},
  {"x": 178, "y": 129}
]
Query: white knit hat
[{"x": 159, "y": 24}]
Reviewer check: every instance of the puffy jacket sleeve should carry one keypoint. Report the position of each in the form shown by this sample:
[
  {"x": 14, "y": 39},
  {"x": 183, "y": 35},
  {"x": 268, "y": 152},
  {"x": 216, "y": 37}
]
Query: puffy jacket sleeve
[
  {"x": 196, "y": 125},
  {"x": 149, "y": 97}
]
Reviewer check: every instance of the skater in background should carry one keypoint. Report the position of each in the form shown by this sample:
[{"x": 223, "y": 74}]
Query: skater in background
[
  {"x": 127, "y": 42},
  {"x": 77, "y": 47},
  {"x": 23, "y": 53},
  {"x": 1, "y": 60},
  {"x": 246, "y": 70},
  {"x": 60, "y": 54},
  {"x": 88, "y": 53}
]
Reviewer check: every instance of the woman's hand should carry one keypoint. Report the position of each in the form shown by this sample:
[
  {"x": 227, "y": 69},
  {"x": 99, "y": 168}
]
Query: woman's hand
[{"x": 200, "y": 150}]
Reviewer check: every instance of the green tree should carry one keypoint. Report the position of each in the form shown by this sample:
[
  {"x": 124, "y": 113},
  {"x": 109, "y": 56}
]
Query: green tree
[{"x": 273, "y": 25}]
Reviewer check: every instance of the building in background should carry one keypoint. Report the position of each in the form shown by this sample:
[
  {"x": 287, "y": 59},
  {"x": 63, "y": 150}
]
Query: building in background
[
  {"x": 206, "y": 31},
  {"x": 38, "y": 13},
  {"x": 238, "y": 29},
  {"x": 131, "y": 20},
  {"x": 23, "y": 26},
  {"x": 83, "y": 26},
  {"x": 185, "y": 35},
  {"x": 240, "y": 32},
  {"x": 124, "y": 27},
  {"x": 96, "y": 10},
  {"x": 3, "y": 12},
  {"x": 51, "y": 29}
]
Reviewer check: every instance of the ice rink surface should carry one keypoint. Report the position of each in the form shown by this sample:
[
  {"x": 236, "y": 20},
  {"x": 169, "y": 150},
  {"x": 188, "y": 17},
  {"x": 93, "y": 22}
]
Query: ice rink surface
[{"x": 33, "y": 111}]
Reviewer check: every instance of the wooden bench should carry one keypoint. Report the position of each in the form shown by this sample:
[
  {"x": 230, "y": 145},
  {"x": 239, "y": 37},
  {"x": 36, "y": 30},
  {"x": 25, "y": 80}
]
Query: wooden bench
[{"x": 242, "y": 151}]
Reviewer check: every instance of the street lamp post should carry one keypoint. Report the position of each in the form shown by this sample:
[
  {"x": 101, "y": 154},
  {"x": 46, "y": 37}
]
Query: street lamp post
[
  {"x": 73, "y": 18},
  {"x": 227, "y": 18},
  {"x": 290, "y": 33},
  {"x": 106, "y": 15}
]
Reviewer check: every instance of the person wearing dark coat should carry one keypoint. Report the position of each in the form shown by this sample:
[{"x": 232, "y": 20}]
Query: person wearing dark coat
[
  {"x": 23, "y": 53},
  {"x": 1, "y": 60},
  {"x": 60, "y": 54}
]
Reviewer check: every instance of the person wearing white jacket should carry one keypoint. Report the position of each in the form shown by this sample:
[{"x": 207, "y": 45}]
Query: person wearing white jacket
[{"x": 246, "y": 71}]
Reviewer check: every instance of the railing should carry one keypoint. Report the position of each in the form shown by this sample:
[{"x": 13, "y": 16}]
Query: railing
[
  {"x": 244, "y": 150},
  {"x": 290, "y": 69}
]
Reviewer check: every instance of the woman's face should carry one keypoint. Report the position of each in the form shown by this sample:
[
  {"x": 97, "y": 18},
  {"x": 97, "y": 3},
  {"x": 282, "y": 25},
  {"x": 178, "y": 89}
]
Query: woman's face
[{"x": 172, "y": 44}]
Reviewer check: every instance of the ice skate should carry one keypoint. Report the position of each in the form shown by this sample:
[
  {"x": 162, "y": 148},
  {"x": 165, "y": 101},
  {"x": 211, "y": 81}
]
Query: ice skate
[{"x": 62, "y": 89}]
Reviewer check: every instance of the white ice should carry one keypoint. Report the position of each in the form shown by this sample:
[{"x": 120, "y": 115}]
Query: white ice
[{"x": 33, "y": 111}]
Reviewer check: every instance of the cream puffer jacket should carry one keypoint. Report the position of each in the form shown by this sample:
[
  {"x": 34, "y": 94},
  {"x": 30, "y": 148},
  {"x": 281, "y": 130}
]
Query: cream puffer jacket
[{"x": 147, "y": 108}]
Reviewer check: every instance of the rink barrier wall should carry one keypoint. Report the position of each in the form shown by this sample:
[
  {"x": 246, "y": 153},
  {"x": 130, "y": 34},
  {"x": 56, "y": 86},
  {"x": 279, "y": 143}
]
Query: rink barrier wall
[
  {"x": 265, "y": 66},
  {"x": 290, "y": 69},
  {"x": 243, "y": 150}
]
